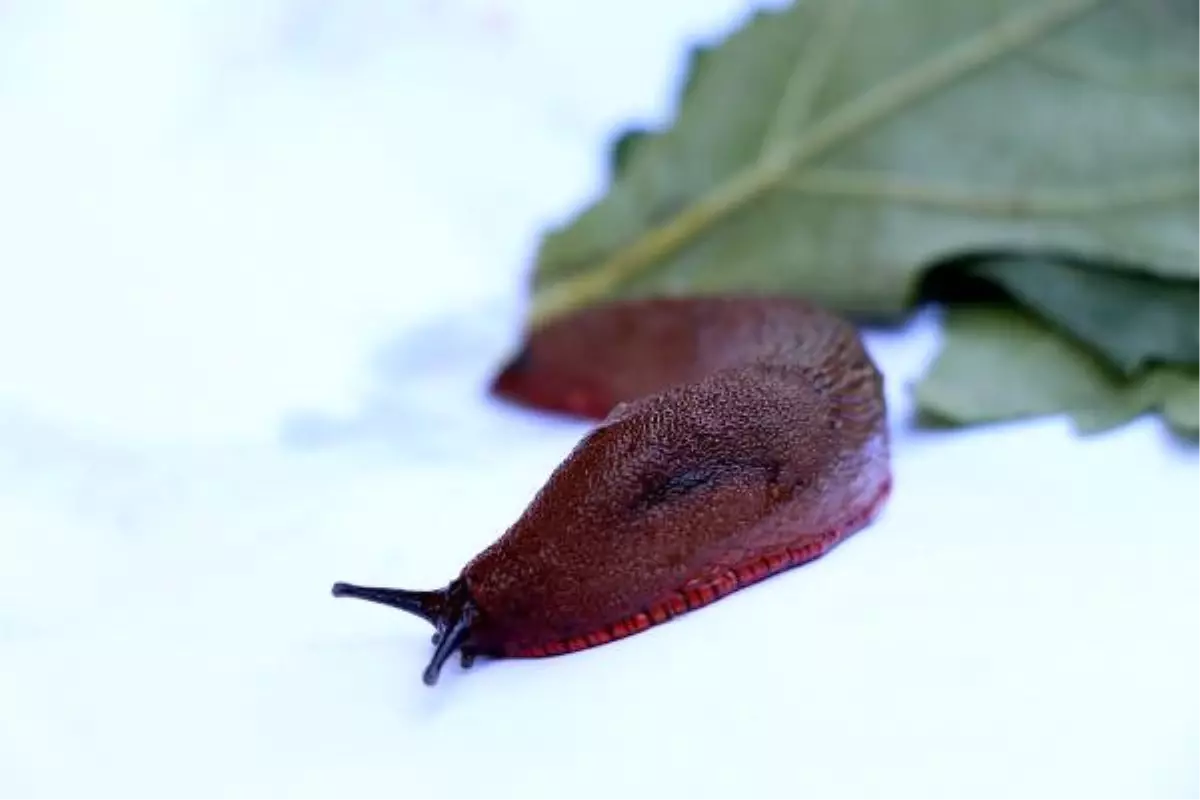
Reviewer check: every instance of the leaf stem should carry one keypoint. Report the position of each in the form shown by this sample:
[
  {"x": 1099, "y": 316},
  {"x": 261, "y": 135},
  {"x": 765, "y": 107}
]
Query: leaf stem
[{"x": 841, "y": 124}]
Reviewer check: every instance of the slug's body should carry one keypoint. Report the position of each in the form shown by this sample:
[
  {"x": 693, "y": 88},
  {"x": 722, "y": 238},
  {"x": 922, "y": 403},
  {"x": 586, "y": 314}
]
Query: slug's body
[{"x": 740, "y": 437}]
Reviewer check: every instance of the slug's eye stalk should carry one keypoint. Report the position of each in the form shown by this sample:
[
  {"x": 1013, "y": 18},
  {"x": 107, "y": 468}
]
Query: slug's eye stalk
[
  {"x": 426, "y": 605},
  {"x": 450, "y": 610}
]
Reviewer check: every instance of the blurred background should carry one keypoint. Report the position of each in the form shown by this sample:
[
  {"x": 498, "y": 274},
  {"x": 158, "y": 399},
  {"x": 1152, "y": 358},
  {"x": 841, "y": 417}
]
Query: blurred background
[
  {"x": 275, "y": 175},
  {"x": 258, "y": 262}
]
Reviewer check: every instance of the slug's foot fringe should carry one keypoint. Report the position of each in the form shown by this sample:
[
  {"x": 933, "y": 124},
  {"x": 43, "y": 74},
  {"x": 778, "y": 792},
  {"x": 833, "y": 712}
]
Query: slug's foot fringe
[{"x": 700, "y": 593}]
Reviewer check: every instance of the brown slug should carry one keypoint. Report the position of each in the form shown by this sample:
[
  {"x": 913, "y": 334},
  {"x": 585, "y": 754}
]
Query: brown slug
[{"x": 740, "y": 437}]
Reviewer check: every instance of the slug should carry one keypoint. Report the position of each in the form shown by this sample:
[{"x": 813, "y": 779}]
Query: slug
[{"x": 738, "y": 437}]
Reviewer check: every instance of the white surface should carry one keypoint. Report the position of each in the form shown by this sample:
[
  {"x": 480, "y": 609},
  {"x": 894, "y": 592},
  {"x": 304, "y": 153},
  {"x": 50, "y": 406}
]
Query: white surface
[{"x": 257, "y": 261}]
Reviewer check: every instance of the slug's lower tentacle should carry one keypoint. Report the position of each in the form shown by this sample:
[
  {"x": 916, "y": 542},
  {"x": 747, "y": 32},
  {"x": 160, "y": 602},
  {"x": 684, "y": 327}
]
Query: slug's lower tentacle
[{"x": 457, "y": 632}]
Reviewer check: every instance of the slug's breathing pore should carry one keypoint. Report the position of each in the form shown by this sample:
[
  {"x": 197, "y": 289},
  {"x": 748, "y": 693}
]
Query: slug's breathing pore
[{"x": 740, "y": 437}]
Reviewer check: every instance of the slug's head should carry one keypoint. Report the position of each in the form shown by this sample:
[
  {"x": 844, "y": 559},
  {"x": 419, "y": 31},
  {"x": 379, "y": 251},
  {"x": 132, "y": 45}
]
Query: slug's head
[{"x": 450, "y": 610}]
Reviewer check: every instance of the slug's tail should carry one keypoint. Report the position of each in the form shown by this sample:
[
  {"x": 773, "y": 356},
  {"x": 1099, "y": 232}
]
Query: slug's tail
[{"x": 587, "y": 361}]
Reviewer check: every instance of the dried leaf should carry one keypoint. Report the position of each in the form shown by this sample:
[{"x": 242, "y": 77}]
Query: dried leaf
[{"x": 837, "y": 148}]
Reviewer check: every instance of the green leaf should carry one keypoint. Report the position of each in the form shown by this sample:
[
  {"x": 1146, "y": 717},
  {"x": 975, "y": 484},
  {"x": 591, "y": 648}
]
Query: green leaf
[
  {"x": 1130, "y": 319},
  {"x": 623, "y": 145},
  {"x": 837, "y": 148},
  {"x": 998, "y": 364}
]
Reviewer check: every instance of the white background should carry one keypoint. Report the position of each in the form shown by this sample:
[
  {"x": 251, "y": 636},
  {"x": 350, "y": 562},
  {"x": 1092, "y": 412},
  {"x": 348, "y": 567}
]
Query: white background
[{"x": 257, "y": 262}]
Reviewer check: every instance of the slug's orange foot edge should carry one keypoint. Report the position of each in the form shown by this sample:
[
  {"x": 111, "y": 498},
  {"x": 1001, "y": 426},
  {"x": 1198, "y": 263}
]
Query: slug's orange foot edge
[{"x": 702, "y": 593}]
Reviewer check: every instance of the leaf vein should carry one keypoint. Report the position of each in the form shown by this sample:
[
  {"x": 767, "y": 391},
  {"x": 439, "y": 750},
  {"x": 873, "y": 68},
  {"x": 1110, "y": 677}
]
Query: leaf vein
[
  {"x": 882, "y": 187},
  {"x": 809, "y": 75}
]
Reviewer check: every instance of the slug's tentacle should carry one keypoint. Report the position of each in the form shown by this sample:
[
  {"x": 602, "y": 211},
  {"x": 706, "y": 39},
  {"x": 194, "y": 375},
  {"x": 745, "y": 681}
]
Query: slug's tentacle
[
  {"x": 429, "y": 606},
  {"x": 450, "y": 610},
  {"x": 458, "y": 631}
]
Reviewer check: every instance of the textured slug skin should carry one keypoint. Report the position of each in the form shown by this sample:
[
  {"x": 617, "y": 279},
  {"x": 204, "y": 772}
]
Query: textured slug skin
[{"x": 740, "y": 437}]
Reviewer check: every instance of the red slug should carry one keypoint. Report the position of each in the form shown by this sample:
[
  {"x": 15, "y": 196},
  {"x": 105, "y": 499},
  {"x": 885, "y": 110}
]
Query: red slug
[{"x": 740, "y": 437}]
